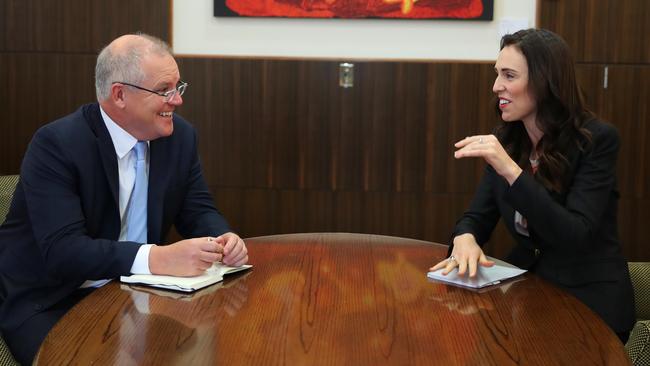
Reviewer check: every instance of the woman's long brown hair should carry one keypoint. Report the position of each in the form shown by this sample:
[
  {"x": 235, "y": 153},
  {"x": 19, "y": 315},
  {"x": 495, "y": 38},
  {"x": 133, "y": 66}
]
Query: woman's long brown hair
[{"x": 561, "y": 110}]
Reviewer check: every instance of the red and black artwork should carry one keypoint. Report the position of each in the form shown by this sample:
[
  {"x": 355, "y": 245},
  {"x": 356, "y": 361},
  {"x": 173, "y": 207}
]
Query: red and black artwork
[{"x": 396, "y": 9}]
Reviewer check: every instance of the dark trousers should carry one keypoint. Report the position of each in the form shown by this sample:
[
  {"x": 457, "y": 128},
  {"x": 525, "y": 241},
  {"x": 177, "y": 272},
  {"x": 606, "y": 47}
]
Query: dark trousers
[{"x": 25, "y": 340}]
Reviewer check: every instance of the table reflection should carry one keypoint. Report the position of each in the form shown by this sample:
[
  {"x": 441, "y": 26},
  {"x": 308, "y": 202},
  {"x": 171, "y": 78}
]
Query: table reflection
[{"x": 334, "y": 299}]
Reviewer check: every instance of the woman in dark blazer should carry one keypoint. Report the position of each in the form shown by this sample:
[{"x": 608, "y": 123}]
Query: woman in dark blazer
[{"x": 551, "y": 176}]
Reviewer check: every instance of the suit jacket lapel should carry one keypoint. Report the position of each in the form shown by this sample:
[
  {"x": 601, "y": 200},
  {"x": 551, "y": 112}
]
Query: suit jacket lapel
[{"x": 106, "y": 150}]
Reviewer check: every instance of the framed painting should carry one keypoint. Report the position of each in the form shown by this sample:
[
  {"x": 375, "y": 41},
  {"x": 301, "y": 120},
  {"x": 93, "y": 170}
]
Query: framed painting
[{"x": 392, "y": 9}]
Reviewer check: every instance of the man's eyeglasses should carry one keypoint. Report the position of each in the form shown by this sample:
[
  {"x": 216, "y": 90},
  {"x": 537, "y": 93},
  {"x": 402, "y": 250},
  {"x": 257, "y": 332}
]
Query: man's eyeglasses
[{"x": 168, "y": 95}]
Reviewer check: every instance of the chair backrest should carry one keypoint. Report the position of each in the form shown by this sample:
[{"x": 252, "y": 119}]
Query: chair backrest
[
  {"x": 638, "y": 346},
  {"x": 6, "y": 359},
  {"x": 640, "y": 275},
  {"x": 7, "y": 187}
]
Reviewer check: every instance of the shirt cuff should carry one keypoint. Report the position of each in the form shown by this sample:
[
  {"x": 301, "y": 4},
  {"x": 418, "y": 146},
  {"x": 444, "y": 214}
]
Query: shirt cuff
[{"x": 141, "y": 262}]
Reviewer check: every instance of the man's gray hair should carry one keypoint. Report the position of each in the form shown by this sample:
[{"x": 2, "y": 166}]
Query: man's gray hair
[{"x": 124, "y": 65}]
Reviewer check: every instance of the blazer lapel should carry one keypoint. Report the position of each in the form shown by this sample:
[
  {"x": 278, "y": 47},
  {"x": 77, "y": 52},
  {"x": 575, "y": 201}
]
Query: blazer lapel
[{"x": 106, "y": 150}]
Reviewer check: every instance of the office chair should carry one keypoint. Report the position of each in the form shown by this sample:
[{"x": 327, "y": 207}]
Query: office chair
[
  {"x": 6, "y": 359},
  {"x": 7, "y": 187},
  {"x": 638, "y": 346}
]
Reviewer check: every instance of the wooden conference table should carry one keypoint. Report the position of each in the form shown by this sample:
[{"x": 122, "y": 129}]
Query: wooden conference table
[{"x": 334, "y": 299}]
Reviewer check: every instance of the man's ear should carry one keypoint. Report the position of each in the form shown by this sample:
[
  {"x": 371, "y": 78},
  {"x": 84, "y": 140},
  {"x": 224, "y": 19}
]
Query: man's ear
[{"x": 117, "y": 95}]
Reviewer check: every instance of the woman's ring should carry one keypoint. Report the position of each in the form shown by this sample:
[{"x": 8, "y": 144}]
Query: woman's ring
[
  {"x": 451, "y": 258},
  {"x": 480, "y": 140}
]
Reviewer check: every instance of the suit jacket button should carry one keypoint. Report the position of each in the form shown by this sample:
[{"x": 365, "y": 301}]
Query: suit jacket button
[{"x": 537, "y": 252}]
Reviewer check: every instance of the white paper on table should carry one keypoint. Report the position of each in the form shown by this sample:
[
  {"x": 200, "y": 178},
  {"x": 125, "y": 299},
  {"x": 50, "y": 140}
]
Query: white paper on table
[{"x": 485, "y": 276}]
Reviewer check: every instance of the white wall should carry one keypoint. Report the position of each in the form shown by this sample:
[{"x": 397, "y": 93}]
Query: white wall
[{"x": 197, "y": 32}]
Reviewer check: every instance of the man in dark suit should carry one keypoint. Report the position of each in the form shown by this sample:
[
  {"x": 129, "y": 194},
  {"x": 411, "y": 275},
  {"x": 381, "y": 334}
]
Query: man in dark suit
[{"x": 77, "y": 208}]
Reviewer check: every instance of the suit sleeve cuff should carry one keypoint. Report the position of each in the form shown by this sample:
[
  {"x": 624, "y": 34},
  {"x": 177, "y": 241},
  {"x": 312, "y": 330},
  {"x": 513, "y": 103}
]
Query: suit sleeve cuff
[{"x": 141, "y": 262}]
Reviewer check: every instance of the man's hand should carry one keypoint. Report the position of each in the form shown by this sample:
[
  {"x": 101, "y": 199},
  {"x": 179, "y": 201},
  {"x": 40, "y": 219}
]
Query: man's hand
[
  {"x": 189, "y": 257},
  {"x": 234, "y": 250}
]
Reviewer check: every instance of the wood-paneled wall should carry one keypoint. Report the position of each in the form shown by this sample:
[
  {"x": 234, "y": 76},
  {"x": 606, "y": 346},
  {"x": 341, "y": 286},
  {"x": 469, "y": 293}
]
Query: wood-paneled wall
[
  {"x": 285, "y": 149},
  {"x": 289, "y": 150},
  {"x": 601, "y": 31},
  {"x": 77, "y": 26},
  {"x": 47, "y": 59},
  {"x": 610, "y": 45}
]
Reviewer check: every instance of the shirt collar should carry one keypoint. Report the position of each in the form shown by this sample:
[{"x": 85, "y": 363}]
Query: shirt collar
[{"x": 122, "y": 140}]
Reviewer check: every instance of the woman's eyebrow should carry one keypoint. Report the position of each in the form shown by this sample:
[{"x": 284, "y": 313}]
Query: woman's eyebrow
[{"x": 506, "y": 69}]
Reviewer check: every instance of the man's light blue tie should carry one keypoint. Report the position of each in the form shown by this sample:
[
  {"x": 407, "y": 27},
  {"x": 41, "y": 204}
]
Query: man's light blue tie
[{"x": 137, "y": 220}]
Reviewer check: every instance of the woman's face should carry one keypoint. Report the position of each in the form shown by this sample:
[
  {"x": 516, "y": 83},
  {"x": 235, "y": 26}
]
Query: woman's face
[{"x": 511, "y": 86}]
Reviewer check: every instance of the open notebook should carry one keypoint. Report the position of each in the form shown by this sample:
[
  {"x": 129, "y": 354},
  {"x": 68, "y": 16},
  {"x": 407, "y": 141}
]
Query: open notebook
[
  {"x": 180, "y": 295},
  {"x": 485, "y": 276},
  {"x": 211, "y": 276}
]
